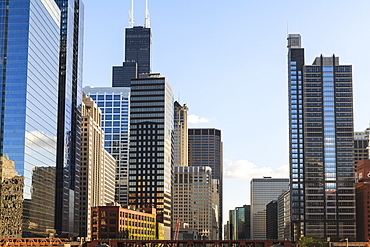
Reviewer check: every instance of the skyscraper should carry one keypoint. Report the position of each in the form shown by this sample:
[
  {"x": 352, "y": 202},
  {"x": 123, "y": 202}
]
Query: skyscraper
[
  {"x": 205, "y": 149},
  {"x": 138, "y": 41},
  {"x": 180, "y": 135},
  {"x": 69, "y": 118},
  {"x": 29, "y": 54},
  {"x": 151, "y": 161},
  {"x": 193, "y": 198},
  {"x": 263, "y": 191},
  {"x": 115, "y": 106},
  {"x": 321, "y": 146},
  {"x": 240, "y": 224},
  {"x": 98, "y": 167}
]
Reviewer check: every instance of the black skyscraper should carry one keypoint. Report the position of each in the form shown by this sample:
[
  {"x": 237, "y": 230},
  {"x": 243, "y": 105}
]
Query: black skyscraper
[
  {"x": 137, "y": 56},
  {"x": 69, "y": 118}
]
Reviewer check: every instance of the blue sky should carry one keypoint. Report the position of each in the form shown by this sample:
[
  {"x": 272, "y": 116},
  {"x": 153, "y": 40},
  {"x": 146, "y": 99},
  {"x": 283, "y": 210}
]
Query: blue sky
[{"x": 227, "y": 61}]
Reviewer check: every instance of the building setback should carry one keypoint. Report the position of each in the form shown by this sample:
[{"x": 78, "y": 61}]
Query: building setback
[
  {"x": 115, "y": 106},
  {"x": 193, "y": 199},
  {"x": 98, "y": 167},
  {"x": 138, "y": 42},
  {"x": 263, "y": 191},
  {"x": 205, "y": 149},
  {"x": 67, "y": 202},
  {"x": 151, "y": 161},
  {"x": 28, "y": 116},
  {"x": 321, "y": 146}
]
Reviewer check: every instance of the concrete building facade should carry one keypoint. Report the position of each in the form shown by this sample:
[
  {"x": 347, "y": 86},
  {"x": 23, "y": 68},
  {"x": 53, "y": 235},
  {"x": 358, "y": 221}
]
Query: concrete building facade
[
  {"x": 180, "y": 135},
  {"x": 193, "y": 198},
  {"x": 205, "y": 149},
  {"x": 98, "y": 167}
]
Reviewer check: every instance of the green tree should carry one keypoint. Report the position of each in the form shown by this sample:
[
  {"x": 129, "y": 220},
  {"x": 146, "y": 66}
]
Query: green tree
[{"x": 311, "y": 241}]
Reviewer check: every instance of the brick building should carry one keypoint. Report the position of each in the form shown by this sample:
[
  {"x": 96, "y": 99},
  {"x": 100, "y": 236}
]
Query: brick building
[{"x": 115, "y": 222}]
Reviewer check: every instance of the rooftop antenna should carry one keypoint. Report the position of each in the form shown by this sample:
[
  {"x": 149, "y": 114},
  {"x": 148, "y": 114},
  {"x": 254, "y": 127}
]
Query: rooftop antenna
[
  {"x": 147, "y": 18},
  {"x": 131, "y": 15}
]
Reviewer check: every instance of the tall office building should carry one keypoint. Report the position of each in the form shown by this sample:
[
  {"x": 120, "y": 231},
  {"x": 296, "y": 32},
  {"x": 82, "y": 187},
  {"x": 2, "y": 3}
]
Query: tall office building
[
  {"x": 205, "y": 149},
  {"x": 29, "y": 51},
  {"x": 115, "y": 106},
  {"x": 361, "y": 146},
  {"x": 138, "y": 41},
  {"x": 151, "y": 161},
  {"x": 180, "y": 135},
  {"x": 321, "y": 146},
  {"x": 98, "y": 167},
  {"x": 69, "y": 118},
  {"x": 239, "y": 223},
  {"x": 192, "y": 198},
  {"x": 263, "y": 191}
]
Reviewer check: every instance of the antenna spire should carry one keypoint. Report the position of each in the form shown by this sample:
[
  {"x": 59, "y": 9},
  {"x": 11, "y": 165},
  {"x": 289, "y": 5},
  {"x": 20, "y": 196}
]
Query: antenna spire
[
  {"x": 131, "y": 15},
  {"x": 147, "y": 18}
]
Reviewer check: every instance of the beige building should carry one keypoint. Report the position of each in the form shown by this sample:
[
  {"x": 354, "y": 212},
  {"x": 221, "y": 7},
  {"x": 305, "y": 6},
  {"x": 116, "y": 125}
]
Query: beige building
[
  {"x": 97, "y": 165},
  {"x": 180, "y": 134},
  {"x": 193, "y": 199},
  {"x": 11, "y": 200}
]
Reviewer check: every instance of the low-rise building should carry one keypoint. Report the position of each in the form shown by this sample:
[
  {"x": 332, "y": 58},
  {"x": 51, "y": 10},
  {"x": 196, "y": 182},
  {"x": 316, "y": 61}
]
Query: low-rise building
[{"x": 116, "y": 222}]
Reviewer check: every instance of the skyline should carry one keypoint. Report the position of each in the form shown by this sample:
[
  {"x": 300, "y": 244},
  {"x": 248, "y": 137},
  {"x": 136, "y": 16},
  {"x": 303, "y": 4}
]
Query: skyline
[{"x": 199, "y": 54}]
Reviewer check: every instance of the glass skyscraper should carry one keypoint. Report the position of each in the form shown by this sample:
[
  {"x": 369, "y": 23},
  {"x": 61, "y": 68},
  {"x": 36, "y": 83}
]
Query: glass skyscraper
[
  {"x": 115, "y": 106},
  {"x": 69, "y": 118},
  {"x": 138, "y": 41},
  {"x": 321, "y": 144},
  {"x": 29, "y": 53},
  {"x": 263, "y": 191}
]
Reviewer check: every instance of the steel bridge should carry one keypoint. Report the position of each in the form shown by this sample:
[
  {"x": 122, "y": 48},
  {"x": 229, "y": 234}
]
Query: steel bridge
[{"x": 188, "y": 243}]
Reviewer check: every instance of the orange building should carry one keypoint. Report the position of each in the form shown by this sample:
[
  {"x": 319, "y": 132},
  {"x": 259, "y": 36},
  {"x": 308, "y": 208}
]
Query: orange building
[
  {"x": 115, "y": 222},
  {"x": 363, "y": 200}
]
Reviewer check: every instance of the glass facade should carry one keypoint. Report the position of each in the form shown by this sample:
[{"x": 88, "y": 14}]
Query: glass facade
[
  {"x": 322, "y": 176},
  {"x": 151, "y": 161},
  {"x": 263, "y": 191},
  {"x": 29, "y": 50},
  {"x": 296, "y": 132},
  {"x": 115, "y": 106},
  {"x": 69, "y": 118}
]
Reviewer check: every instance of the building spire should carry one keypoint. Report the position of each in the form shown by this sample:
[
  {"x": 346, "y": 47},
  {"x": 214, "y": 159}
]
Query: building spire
[
  {"x": 147, "y": 18},
  {"x": 131, "y": 15}
]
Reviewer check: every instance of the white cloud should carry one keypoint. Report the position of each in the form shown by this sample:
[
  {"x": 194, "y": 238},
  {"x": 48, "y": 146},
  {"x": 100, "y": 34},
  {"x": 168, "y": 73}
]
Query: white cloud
[
  {"x": 243, "y": 169},
  {"x": 38, "y": 139},
  {"x": 194, "y": 119}
]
